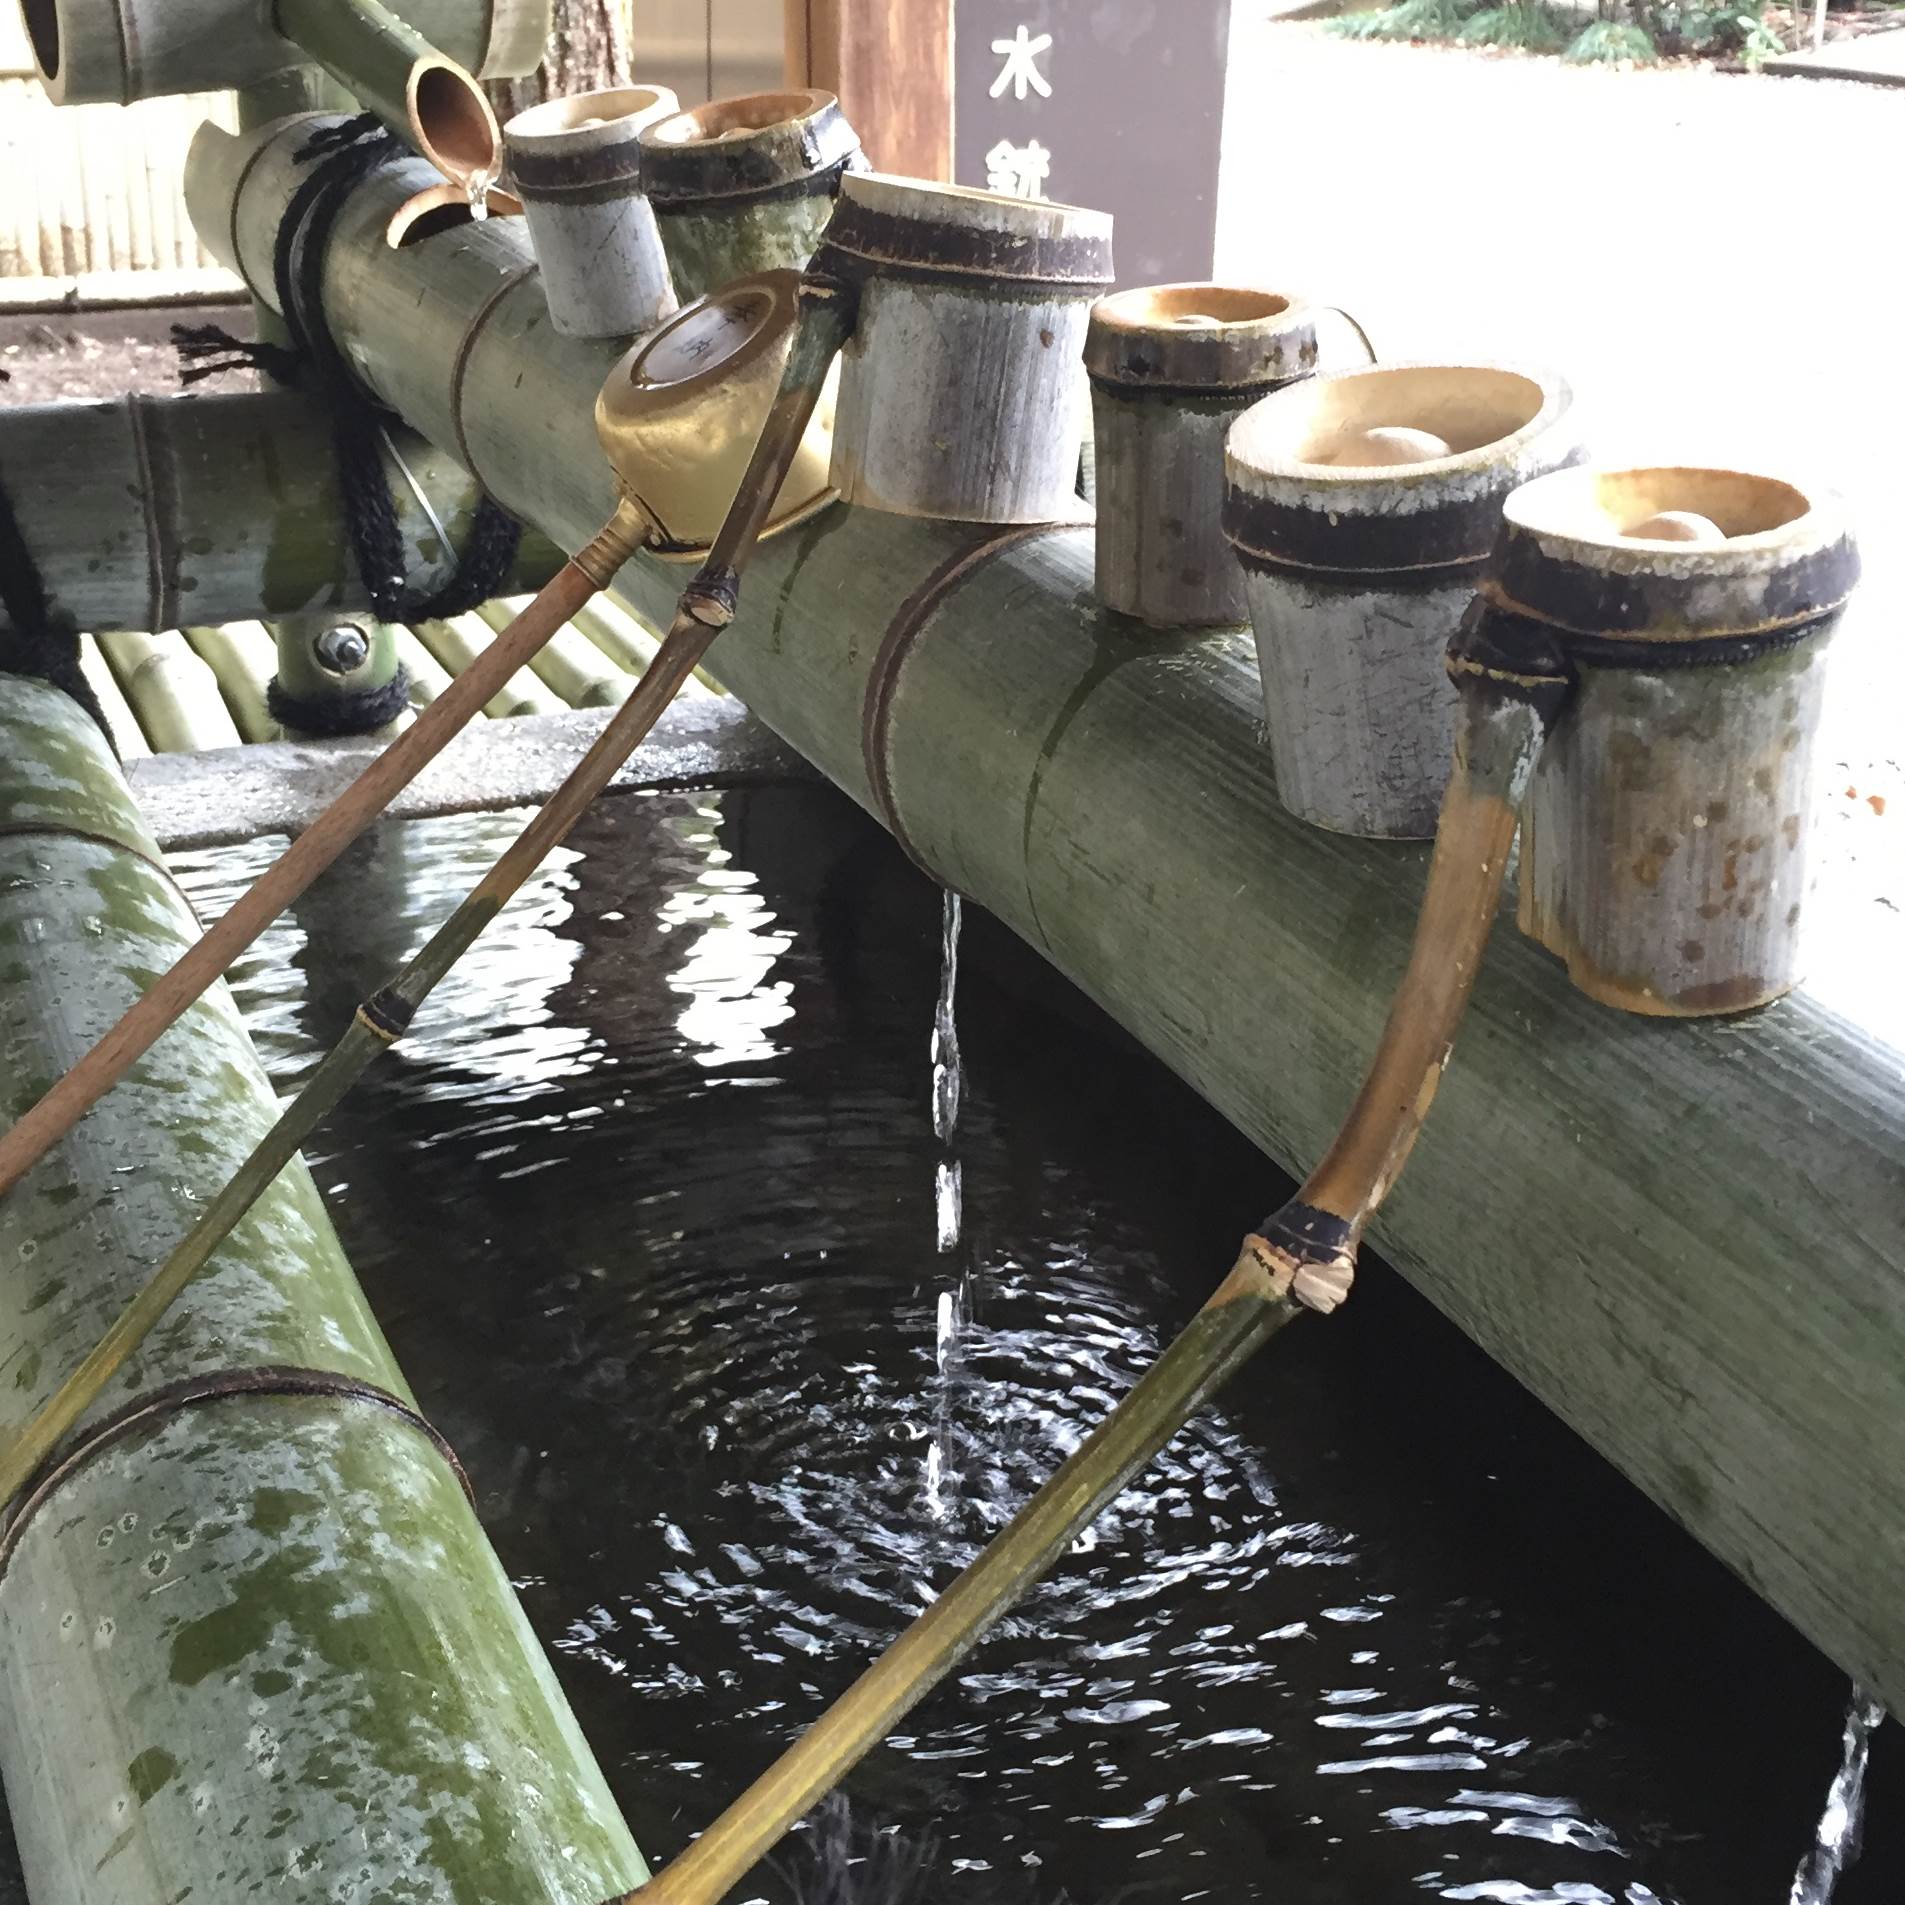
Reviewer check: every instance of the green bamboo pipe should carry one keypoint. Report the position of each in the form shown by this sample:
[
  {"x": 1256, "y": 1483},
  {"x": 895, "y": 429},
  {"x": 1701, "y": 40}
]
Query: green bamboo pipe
[
  {"x": 239, "y": 655},
  {"x": 570, "y": 665},
  {"x": 706, "y": 606},
  {"x": 171, "y": 690},
  {"x": 421, "y": 95},
  {"x": 222, "y": 508},
  {"x": 255, "y": 1643},
  {"x": 1302, "y": 1259},
  {"x": 119, "y": 51}
]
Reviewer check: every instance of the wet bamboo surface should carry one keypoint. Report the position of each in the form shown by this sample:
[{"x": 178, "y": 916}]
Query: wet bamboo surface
[
  {"x": 186, "y": 691},
  {"x": 375, "y": 1642}
]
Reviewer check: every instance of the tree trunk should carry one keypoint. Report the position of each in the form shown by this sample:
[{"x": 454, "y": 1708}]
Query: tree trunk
[{"x": 588, "y": 48}]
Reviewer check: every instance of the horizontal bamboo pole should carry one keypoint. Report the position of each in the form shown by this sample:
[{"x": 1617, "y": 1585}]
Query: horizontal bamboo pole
[
  {"x": 302, "y": 1670},
  {"x": 213, "y": 509},
  {"x": 569, "y": 664},
  {"x": 127, "y": 736},
  {"x": 1610, "y": 1208},
  {"x": 172, "y": 690},
  {"x": 629, "y": 644},
  {"x": 457, "y": 640},
  {"x": 239, "y": 655},
  {"x": 118, "y": 51},
  {"x": 428, "y": 676}
]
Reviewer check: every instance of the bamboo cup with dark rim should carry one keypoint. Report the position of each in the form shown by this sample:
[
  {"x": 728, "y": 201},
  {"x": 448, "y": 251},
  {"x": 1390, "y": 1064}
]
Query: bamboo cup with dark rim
[
  {"x": 961, "y": 393},
  {"x": 1361, "y": 505},
  {"x": 745, "y": 185},
  {"x": 1668, "y": 838},
  {"x": 576, "y": 164},
  {"x": 680, "y": 413},
  {"x": 1172, "y": 366}
]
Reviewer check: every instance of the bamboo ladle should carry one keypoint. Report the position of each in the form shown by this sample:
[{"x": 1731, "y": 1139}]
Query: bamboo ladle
[
  {"x": 707, "y": 605},
  {"x": 675, "y": 465},
  {"x": 1655, "y": 602}
]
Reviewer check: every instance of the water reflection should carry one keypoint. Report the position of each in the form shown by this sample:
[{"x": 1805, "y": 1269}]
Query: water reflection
[{"x": 648, "y": 1208}]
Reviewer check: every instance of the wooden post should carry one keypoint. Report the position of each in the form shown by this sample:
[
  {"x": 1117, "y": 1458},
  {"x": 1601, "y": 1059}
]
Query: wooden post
[
  {"x": 1361, "y": 505},
  {"x": 576, "y": 165},
  {"x": 962, "y": 394},
  {"x": 746, "y": 185},
  {"x": 1668, "y": 849},
  {"x": 891, "y": 69},
  {"x": 1172, "y": 366}
]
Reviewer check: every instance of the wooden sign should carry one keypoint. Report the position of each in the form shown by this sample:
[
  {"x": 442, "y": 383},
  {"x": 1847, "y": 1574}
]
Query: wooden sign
[{"x": 1115, "y": 104}]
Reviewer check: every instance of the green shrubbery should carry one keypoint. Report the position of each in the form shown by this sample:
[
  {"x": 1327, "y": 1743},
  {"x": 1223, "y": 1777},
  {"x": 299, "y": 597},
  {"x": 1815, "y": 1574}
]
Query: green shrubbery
[{"x": 1635, "y": 31}]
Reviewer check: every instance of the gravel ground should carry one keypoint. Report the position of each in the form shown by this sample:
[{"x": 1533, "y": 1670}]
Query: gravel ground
[{"x": 48, "y": 355}]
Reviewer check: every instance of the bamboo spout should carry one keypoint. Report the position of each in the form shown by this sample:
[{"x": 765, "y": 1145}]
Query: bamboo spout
[
  {"x": 1512, "y": 684},
  {"x": 92, "y": 51},
  {"x": 418, "y": 92}
]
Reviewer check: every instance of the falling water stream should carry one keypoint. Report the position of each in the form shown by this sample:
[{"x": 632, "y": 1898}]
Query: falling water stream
[
  {"x": 648, "y": 1204},
  {"x": 948, "y": 1209},
  {"x": 1836, "y": 1845}
]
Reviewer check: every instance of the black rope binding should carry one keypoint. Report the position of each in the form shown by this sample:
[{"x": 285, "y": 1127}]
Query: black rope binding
[
  {"x": 35, "y": 638},
  {"x": 358, "y": 712},
  {"x": 346, "y": 154}
]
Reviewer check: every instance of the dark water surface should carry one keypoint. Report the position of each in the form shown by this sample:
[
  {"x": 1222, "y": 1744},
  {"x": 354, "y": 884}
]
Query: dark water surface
[{"x": 646, "y": 1203}]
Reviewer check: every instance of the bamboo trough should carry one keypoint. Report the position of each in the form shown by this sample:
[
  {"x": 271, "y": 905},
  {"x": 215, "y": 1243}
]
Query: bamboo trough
[
  {"x": 254, "y": 1538},
  {"x": 1613, "y": 1209}
]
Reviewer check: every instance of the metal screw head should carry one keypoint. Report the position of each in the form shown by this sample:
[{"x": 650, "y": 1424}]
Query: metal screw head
[{"x": 342, "y": 649}]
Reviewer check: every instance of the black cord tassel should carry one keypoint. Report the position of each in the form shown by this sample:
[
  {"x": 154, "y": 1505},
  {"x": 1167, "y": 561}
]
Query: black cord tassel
[{"x": 345, "y": 154}]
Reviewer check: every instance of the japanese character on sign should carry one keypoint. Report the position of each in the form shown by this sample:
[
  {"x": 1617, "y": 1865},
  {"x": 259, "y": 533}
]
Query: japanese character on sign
[
  {"x": 1020, "y": 70},
  {"x": 1020, "y": 171}
]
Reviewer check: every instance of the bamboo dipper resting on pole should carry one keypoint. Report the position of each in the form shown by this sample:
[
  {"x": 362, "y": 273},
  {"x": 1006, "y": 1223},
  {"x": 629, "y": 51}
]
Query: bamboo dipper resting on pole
[
  {"x": 707, "y": 606},
  {"x": 1762, "y": 598},
  {"x": 674, "y": 457}
]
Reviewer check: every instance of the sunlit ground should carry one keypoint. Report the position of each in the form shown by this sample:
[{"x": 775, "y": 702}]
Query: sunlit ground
[{"x": 1711, "y": 260}]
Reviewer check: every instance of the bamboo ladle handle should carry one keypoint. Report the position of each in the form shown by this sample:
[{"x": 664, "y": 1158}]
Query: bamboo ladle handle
[
  {"x": 207, "y": 959},
  {"x": 707, "y": 606},
  {"x": 1512, "y": 686}
]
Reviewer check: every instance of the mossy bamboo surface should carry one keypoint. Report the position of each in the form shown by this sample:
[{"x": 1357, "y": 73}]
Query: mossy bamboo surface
[
  {"x": 239, "y": 655},
  {"x": 1613, "y": 1209},
  {"x": 262, "y": 1642},
  {"x": 172, "y": 690},
  {"x": 457, "y": 640},
  {"x": 213, "y": 509}
]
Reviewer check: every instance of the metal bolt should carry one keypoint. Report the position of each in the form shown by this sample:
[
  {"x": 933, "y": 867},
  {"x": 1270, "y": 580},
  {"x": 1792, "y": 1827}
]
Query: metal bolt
[{"x": 342, "y": 649}]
